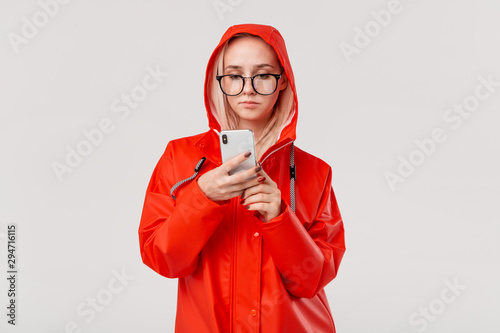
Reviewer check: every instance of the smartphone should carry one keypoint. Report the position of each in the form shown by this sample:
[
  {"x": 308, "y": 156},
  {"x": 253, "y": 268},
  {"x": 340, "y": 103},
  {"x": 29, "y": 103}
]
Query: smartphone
[{"x": 235, "y": 142}]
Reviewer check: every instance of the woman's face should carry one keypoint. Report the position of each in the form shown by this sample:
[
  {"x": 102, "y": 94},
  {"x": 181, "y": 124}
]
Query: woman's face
[{"x": 248, "y": 56}]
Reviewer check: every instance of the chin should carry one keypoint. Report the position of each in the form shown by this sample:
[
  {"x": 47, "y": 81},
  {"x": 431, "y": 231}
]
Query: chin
[{"x": 250, "y": 115}]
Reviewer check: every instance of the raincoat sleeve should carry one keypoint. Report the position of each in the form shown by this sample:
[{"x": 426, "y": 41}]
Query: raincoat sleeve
[
  {"x": 307, "y": 254},
  {"x": 172, "y": 233}
]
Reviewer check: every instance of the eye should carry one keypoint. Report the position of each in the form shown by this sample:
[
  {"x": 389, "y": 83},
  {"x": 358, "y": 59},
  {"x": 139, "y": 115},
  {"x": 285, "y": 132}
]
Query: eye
[
  {"x": 263, "y": 76},
  {"x": 233, "y": 77}
]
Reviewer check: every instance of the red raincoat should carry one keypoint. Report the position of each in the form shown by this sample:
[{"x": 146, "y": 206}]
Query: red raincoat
[{"x": 237, "y": 273}]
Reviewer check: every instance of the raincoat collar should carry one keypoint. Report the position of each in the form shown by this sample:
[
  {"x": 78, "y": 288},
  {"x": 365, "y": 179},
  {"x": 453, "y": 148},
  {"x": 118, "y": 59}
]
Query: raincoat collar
[{"x": 208, "y": 145}]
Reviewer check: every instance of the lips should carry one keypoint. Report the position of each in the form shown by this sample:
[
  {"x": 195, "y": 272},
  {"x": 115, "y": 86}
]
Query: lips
[{"x": 249, "y": 104}]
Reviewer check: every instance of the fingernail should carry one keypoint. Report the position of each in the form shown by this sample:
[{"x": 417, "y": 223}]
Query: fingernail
[
  {"x": 242, "y": 194},
  {"x": 241, "y": 201},
  {"x": 246, "y": 207},
  {"x": 261, "y": 179},
  {"x": 248, "y": 153},
  {"x": 257, "y": 169}
]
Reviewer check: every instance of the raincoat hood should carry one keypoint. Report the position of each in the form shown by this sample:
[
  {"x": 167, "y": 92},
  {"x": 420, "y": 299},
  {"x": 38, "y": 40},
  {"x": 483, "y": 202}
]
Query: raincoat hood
[{"x": 271, "y": 36}]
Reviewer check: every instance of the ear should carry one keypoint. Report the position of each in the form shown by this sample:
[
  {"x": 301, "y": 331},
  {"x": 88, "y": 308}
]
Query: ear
[{"x": 283, "y": 82}]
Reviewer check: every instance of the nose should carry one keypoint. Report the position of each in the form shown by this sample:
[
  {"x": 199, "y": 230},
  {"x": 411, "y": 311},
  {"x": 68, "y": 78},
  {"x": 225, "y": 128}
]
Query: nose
[{"x": 248, "y": 89}]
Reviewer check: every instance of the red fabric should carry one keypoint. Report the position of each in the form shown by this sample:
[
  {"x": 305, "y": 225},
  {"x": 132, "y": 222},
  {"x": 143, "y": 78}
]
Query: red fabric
[{"x": 237, "y": 273}]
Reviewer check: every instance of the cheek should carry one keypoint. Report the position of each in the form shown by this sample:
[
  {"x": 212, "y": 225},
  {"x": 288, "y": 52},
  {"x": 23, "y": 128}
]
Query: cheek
[
  {"x": 231, "y": 101},
  {"x": 273, "y": 100}
]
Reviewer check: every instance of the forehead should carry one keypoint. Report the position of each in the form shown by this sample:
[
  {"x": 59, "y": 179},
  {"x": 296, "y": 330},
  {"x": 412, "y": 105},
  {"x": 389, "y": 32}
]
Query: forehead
[{"x": 250, "y": 51}]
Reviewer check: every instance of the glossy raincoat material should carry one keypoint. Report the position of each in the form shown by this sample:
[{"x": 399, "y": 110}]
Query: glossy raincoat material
[{"x": 235, "y": 272}]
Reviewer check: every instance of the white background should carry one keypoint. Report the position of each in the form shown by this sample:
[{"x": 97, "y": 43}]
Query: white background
[{"x": 440, "y": 224}]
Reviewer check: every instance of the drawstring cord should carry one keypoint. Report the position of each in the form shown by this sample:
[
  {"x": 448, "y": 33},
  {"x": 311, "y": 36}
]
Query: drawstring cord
[
  {"x": 292, "y": 178},
  {"x": 196, "y": 170}
]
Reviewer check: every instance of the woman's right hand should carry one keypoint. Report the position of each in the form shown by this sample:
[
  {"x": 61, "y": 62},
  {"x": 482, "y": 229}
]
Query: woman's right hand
[{"x": 218, "y": 185}]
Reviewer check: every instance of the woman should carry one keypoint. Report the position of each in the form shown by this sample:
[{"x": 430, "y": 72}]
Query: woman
[{"x": 247, "y": 260}]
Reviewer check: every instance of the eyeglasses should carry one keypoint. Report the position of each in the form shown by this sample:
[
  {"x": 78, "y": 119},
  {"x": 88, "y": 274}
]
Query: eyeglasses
[{"x": 263, "y": 84}]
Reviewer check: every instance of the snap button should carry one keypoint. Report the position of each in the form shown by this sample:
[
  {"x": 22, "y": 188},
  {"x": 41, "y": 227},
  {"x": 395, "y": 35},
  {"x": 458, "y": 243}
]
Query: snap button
[
  {"x": 256, "y": 234},
  {"x": 253, "y": 313}
]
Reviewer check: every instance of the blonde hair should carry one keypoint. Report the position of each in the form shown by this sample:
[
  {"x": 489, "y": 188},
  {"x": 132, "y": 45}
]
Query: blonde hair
[{"x": 228, "y": 119}]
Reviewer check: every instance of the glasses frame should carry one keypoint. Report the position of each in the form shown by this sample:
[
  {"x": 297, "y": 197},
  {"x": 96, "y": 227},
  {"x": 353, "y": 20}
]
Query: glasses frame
[{"x": 276, "y": 76}]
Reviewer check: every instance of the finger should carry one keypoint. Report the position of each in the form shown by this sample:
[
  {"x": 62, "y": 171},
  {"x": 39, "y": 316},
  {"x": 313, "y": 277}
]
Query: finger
[
  {"x": 247, "y": 183},
  {"x": 234, "y": 194},
  {"x": 239, "y": 183},
  {"x": 262, "y": 172},
  {"x": 233, "y": 162},
  {"x": 256, "y": 197},
  {"x": 268, "y": 180},
  {"x": 243, "y": 176},
  {"x": 254, "y": 191},
  {"x": 260, "y": 206}
]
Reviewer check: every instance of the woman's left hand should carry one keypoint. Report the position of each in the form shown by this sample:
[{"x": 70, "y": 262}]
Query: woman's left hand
[{"x": 265, "y": 197}]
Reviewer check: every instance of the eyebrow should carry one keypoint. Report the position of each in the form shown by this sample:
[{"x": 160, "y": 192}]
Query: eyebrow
[{"x": 259, "y": 66}]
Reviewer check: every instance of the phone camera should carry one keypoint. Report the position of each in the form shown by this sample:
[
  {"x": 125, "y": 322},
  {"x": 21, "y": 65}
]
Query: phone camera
[{"x": 224, "y": 139}]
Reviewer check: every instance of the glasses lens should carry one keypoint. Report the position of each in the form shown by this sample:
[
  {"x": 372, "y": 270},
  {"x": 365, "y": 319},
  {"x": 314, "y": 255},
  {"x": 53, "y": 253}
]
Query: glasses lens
[
  {"x": 231, "y": 84},
  {"x": 265, "y": 84}
]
